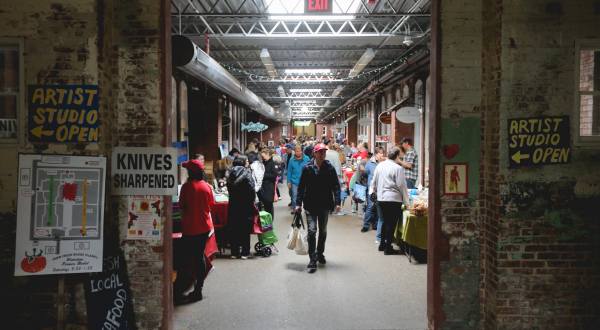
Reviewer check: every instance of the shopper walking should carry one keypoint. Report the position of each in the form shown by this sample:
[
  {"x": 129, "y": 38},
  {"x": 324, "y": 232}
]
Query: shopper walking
[
  {"x": 389, "y": 185},
  {"x": 319, "y": 194},
  {"x": 195, "y": 200},
  {"x": 371, "y": 217},
  {"x": 294, "y": 172},
  {"x": 241, "y": 210}
]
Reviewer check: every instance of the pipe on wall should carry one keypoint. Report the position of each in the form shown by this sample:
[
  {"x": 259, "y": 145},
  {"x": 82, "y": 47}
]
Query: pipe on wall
[{"x": 189, "y": 58}]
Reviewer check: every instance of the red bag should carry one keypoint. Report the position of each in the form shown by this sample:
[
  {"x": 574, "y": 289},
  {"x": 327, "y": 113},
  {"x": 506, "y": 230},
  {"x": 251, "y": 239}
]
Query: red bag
[{"x": 211, "y": 247}]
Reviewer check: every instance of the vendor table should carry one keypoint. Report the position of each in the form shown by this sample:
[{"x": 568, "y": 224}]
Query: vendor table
[{"x": 411, "y": 235}]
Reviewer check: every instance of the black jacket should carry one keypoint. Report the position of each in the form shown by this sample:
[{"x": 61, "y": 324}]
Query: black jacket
[
  {"x": 319, "y": 189},
  {"x": 267, "y": 190},
  {"x": 240, "y": 185}
]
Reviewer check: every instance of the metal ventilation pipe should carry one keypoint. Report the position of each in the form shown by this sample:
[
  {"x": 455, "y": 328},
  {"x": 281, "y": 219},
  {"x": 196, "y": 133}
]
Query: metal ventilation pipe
[{"x": 189, "y": 58}]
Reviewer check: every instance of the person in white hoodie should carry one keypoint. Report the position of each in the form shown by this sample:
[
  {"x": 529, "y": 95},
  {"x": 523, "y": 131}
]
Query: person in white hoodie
[
  {"x": 258, "y": 169},
  {"x": 388, "y": 188}
]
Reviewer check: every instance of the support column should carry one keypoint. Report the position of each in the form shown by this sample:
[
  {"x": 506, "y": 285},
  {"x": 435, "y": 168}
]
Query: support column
[{"x": 205, "y": 114}]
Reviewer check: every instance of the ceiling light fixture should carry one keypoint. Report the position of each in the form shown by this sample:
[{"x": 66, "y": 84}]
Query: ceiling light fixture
[
  {"x": 307, "y": 90},
  {"x": 265, "y": 58},
  {"x": 281, "y": 91},
  {"x": 307, "y": 71},
  {"x": 362, "y": 62},
  {"x": 311, "y": 17}
]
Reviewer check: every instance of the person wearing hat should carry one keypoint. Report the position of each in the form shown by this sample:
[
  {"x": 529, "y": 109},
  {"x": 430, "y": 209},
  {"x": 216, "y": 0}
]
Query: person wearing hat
[
  {"x": 195, "y": 200},
  {"x": 319, "y": 194}
]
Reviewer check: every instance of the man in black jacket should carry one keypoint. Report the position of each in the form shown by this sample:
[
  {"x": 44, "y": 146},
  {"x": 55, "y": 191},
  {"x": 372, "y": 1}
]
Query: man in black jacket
[{"x": 319, "y": 193}]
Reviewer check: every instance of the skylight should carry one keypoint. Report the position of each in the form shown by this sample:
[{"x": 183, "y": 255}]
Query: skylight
[
  {"x": 307, "y": 71},
  {"x": 282, "y": 10},
  {"x": 306, "y": 90}
]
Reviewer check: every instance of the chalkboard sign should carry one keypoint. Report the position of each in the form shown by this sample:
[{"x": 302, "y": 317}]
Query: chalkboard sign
[
  {"x": 109, "y": 302},
  {"x": 538, "y": 141}
]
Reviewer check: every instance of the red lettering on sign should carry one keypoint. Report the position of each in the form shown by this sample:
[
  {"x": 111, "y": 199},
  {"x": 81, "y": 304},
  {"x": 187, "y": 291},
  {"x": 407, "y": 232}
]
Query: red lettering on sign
[
  {"x": 317, "y": 5},
  {"x": 69, "y": 191}
]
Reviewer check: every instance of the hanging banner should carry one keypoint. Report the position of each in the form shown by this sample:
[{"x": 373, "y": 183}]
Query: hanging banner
[
  {"x": 254, "y": 127},
  {"x": 385, "y": 118},
  {"x": 144, "y": 171},
  {"x": 143, "y": 217},
  {"x": 538, "y": 141},
  {"x": 63, "y": 113},
  {"x": 59, "y": 214}
]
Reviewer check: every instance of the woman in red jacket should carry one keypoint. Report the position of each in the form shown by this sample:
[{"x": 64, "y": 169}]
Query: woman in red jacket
[{"x": 195, "y": 199}]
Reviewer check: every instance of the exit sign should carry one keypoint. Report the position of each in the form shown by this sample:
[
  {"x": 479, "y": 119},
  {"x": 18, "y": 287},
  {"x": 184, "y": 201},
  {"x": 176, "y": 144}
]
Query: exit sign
[{"x": 317, "y": 6}]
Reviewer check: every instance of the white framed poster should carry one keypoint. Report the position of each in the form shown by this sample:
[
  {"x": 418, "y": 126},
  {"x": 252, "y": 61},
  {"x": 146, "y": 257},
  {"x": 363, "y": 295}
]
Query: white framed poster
[
  {"x": 144, "y": 217},
  {"x": 60, "y": 214}
]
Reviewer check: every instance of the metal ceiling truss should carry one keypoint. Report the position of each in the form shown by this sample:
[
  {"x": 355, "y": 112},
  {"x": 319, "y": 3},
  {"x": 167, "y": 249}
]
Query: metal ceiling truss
[
  {"x": 224, "y": 18},
  {"x": 264, "y": 27},
  {"x": 260, "y": 7}
]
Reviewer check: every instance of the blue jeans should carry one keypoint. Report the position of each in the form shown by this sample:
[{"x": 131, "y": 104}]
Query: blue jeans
[
  {"x": 293, "y": 194},
  {"x": 411, "y": 183},
  {"x": 314, "y": 219},
  {"x": 370, "y": 217},
  {"x": 379, "y": 222}
]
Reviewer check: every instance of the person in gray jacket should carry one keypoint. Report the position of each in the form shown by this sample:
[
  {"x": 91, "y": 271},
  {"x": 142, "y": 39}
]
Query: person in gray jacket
[{"x": 389, "y": 186}]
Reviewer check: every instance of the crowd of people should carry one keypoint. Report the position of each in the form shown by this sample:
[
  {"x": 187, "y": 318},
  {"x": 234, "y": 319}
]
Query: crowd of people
[{"x": 314, "y": 171}]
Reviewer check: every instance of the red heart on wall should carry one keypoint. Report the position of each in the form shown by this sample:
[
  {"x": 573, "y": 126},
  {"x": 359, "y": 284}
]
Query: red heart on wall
[{"x": 450, "y": 150}]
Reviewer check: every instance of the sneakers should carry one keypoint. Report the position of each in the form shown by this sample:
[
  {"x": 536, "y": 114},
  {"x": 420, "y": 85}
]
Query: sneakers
[
  {"x": 321, "y": 259},
  {"x": 340, "y": 213},
  {"x": 364, "y": 229},
  {"x": 312, "y": 266}
]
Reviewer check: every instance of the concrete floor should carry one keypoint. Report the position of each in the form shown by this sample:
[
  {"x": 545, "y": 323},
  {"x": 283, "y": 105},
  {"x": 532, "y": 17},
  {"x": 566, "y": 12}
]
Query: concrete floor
[{"x": 359, "y": 288}]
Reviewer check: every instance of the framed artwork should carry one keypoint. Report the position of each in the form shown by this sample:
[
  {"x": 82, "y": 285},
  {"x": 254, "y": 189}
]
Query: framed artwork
[
  {"x": 271, "y": 143},
  {"x": 456, "y": 179}
]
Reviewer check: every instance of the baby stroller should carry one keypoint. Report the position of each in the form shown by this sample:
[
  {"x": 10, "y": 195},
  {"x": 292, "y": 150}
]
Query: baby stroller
[{"x": 266, "y": 236}]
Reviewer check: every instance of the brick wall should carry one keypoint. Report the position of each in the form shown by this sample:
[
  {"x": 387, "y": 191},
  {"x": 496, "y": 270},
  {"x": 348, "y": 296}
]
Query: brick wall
[
  {"x": 489, "y": 178},
  {"x": 115, "y": 45},
  {"x": 461, "y": 96},
  {"x": 60, "y": 47},
  {"x": 548, "y": 236},
  {"x": 133, "y": 79}
]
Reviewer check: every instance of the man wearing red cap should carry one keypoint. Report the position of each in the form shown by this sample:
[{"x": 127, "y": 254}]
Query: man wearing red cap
[
  {"x": 195, "y": 199},
  {"x": 319, "y": 193}
]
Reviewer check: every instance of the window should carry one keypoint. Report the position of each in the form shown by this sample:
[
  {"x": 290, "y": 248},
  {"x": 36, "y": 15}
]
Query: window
[
  {"x": 10, "y": 88},
  {"x": 587, "y": 100},
  {"x": 284, "y": 130}
]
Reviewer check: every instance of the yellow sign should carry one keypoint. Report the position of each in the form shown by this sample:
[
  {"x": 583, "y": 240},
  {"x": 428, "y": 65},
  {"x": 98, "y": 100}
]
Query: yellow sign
[
  {"x": 538, "y": 141},
  {"x": 63, "y": 113}
]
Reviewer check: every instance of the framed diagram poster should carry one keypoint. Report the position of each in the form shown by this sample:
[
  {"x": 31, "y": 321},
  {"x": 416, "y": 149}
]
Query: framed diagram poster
[
  {"x": 456, "y": 179},
  {"x": 60, "y": 216}
]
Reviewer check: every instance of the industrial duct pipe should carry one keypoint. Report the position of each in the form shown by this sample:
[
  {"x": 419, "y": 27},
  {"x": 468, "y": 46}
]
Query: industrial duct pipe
[{"x": 191, "y": 59}]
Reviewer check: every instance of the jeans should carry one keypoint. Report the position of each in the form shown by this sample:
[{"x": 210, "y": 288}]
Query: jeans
[
  {"x": 392, "y": 213},
  {"x": 371, "y": 216},
  {"x": 293, "y": 194},
  {"x": 379, "y": 222},
  {"x": 313, "y": 219},
  {"x": 411, "y": 183}
]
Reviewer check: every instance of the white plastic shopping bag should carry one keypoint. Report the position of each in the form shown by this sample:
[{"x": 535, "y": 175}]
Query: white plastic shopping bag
[{"x": 301, "y": 243}]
